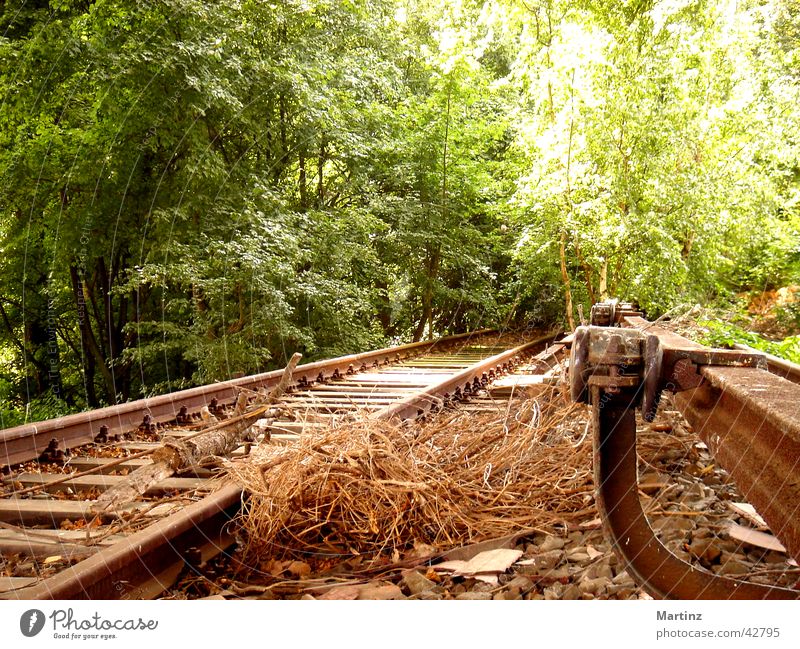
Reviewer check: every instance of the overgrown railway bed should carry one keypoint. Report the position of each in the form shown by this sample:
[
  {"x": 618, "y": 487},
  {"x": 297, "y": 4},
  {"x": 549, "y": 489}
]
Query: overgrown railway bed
[{"x": 57, "y": 542}]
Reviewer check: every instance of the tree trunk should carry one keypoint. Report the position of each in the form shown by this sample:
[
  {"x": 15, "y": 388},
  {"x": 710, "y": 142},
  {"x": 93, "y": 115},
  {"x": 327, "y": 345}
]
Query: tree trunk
[
  {"x": 303, "y": 181},
  {"x": 88, "y": 340},
  {"x": 36, "y": 341},
  {"x": 587, "y": 272},
  {"x": 237, "y": 326},
  {"x": 320, "y": 174},
  {"x": 283, "y": 154},
  {"x": 426, "y": 315},
  {"x": 604, "y": 280},
  {"x": 431, "y": 271},
  {"x": 444, "y": 155},
  {"x": 562, "y": 252},
  {"x": 89, "y": 372},
  {"x": 384, "y": 307},
  {"x": 688, "y": 242}
]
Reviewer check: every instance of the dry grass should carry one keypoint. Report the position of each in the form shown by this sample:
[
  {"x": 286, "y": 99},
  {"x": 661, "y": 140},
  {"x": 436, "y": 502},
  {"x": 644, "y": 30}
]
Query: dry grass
[{"x": 376, "y": 486}]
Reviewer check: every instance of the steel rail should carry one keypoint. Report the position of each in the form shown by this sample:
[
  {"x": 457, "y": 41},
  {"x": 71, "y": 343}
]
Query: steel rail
[
  {"x": 750, "y": 422},
  {"x": 463, "y": 382},
  {"x": 139, "y": 566},
  {"x": 145, "y": 563},
  {"x": 749, "y": 418},
  {"x": 779, "y": 366},
  {"x": 648, "y": 561},
  {"x": 28, "y": 441}
]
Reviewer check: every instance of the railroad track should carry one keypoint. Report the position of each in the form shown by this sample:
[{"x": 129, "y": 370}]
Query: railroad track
[
  {"x": 745, "y": 408},
  {"x": 54, "y": 543},
  {"x": 57, "y": 543}
]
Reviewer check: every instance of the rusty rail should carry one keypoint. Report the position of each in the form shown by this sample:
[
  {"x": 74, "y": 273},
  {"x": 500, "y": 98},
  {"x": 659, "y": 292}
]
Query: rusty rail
[
  {"x": 779, "y": 366},
  {"x": 145, "y": 563},
  {"x": 750, "y": 420},
  {"x": 27, "y": 442},
  {"x": 748, "y": 417},
  {"x": 463, "y": 383}
]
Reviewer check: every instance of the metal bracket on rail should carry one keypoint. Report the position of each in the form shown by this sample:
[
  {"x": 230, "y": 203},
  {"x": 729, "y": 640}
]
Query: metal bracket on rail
[
  {"x": 611, "y": 312},
  {"x": 617, "y": 370},
  {"x": 637, "y": 359}
]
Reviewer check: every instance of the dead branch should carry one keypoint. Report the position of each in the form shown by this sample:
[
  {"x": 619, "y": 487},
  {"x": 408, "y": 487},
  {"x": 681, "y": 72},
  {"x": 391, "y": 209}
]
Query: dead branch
[{"x": 181, "y": 453}]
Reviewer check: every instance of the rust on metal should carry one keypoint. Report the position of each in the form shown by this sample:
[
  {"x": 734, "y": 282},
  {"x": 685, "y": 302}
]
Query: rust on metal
[
  {"x": 146, "y": 563},
  {"x": 750, "y": 421},
  {"x": 27, "y": 442},
  {"x": 456, "y": 385},
  {"x": 133, "y": 567},
  {"x": 778, "y": 366},
  {"x": 724, "y": 394},
  {"x": 661, "y": 573}
]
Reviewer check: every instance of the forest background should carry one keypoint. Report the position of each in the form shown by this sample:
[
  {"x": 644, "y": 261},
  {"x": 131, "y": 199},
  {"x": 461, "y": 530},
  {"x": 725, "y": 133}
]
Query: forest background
[{"x": 195, "y": 189}]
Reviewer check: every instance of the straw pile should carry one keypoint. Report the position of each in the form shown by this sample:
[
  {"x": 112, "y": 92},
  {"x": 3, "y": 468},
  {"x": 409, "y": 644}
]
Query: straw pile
[{"x": 376, "y": 486}]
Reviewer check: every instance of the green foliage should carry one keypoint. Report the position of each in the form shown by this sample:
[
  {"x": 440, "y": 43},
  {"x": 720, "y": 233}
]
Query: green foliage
[
  {"x": 722, "y": 334},
  {"x": 656, "y": 140},
  {"x": 13, "y": 413},
  {"x": 191, "y": 190}
]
